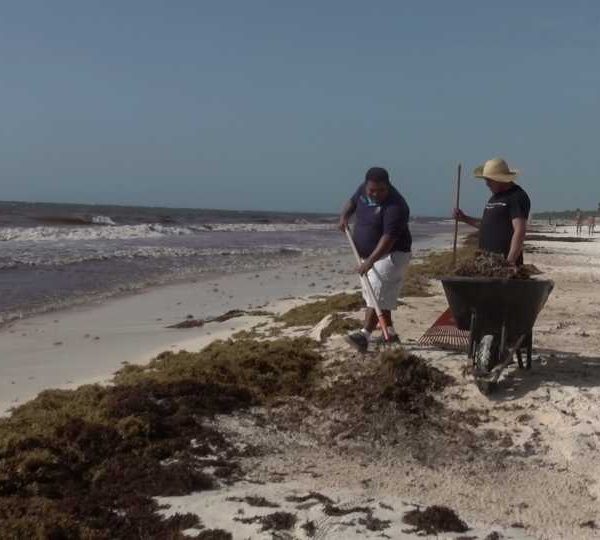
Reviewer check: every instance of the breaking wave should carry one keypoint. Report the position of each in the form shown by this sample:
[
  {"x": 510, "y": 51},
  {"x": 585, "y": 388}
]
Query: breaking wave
[
  {"x": 75, "y": 220},
  {"x": 111, "y": 231},
  {"x": 142, "y": 252}
]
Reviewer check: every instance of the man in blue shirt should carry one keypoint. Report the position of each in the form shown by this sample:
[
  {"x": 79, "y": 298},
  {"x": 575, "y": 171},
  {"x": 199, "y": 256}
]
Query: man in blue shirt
[{"x": 384, "y": 242}]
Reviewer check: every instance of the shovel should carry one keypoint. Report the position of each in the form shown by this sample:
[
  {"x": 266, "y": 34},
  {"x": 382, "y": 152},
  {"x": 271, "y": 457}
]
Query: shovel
[{"x": 369, "y": 288}]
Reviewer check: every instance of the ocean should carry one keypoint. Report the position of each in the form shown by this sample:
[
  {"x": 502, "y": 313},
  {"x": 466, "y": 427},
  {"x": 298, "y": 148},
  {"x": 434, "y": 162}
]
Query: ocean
[{"x": 56, "y": 255}]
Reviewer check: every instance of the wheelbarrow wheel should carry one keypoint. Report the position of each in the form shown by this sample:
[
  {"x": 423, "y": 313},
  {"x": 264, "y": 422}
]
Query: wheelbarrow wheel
[{"x": 486, "y": 353}]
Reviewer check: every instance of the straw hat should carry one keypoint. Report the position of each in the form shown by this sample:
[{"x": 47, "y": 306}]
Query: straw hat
[{"x": 496, "y": 169}]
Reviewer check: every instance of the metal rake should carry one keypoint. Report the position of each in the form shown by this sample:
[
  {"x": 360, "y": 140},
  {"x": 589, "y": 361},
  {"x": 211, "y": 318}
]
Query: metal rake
[{"x": 444, "y": 334}]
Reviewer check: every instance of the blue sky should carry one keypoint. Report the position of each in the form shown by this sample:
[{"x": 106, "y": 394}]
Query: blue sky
[{"x": 283, "y": 105}]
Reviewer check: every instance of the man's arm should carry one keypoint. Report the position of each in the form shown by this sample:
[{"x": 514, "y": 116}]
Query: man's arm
[
  {"x": 347, "y": 212},
  {"x": 385, "y": 244},
  {"x": 461, "y": 216},
  {"x": 518, "y": 238},
  {"x": 395, "y": 219}
]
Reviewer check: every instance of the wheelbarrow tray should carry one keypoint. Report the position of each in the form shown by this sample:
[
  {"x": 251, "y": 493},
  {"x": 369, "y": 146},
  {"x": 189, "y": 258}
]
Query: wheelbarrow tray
[{"x": 494, "y": 303}]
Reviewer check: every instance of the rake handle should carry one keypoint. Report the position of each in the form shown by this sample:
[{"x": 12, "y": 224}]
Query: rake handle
[
  {"x": 368, "y": 287},
  {"x": 458, "y": 171}
]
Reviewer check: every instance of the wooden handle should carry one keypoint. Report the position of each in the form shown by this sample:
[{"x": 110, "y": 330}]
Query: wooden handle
[
  {"x": 458, "y": 171},
  {"x": 368, "y": 287}
]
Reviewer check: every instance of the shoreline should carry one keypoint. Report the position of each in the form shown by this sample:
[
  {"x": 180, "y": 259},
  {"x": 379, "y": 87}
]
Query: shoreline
[
  {"x": 90, "y": 298},
  {"x": 95, "y": 299},
  {"x": 87, "y": 343}
]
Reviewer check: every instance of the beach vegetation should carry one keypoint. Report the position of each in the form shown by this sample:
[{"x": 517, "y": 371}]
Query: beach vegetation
[
  {"x": 311, "y": 313},
  {"x": 441, "y": 263},
  {"x": 434, "y": 520},
  {"x": 86, "y": 463},
  {"x": 546, "y": 238},
  {"x": 340, "y": 325},
  {"x": 264, "y": 368},
  {"x": 415, "y": 284}
]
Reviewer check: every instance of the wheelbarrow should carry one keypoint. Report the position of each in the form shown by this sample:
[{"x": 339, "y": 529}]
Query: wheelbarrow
[{"x": 499, "y": 315}]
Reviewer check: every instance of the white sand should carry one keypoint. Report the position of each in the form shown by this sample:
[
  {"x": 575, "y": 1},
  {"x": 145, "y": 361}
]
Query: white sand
[{"x": 218, "y": 509}]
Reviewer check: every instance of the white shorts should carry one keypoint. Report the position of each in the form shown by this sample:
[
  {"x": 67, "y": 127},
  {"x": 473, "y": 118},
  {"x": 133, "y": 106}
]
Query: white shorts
[{"x": 387, "y": 277}]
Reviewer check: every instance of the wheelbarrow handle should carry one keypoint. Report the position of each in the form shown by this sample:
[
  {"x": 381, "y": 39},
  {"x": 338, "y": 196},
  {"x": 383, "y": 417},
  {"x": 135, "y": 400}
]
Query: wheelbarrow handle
[{"x": 368, "y": 287}]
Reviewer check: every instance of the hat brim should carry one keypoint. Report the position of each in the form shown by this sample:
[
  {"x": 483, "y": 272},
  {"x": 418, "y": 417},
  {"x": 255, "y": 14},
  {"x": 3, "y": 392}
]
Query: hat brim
[{"x": 505, "y": 178}]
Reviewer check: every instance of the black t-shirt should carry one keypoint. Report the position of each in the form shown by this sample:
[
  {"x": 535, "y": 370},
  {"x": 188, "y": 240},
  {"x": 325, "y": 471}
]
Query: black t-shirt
[
  {"x": 373, "y": 220},
  {"x": 496, "y": 226}
]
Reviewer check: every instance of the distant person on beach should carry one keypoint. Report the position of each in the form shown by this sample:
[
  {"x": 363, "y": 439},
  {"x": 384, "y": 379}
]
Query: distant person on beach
[
  {"x": 591, "y": 225},
  {"x": 384, "y": 242},
  {"x": 578, "y": 222},
  {"x": 504, "y": 223}
]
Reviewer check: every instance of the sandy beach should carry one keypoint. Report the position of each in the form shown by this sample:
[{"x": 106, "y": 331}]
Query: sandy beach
[
  {"x": 518, "y": 464},
  {"x": 193, "y": 196}
]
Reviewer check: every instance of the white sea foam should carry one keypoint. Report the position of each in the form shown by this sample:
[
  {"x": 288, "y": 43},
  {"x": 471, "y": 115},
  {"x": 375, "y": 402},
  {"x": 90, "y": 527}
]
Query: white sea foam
[
  {"x": 102, "y": 220},
  {"x": 265, "y": 227},
  {"x": 122, "y": 232},
  {"x": 53, "y": 258},
  {"x": 149, "y": 230}
]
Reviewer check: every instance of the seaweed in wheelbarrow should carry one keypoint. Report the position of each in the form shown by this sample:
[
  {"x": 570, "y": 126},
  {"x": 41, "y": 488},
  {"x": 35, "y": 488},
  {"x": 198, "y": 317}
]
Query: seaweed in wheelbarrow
[{"x": 494, "y": 265}]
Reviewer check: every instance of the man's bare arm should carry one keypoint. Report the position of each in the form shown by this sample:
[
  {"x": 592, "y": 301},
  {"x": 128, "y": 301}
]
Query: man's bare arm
[
  {"x": 461, "y": 216},
  {"x": 518, "y": 239}
]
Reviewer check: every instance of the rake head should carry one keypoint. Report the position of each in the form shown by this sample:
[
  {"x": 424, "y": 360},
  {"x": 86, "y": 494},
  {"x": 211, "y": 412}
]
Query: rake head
[{"x": 444, "y": 334}]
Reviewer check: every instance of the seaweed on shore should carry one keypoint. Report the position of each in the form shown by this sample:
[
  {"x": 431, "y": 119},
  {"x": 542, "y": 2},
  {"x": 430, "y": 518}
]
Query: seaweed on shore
[
  {"x": 277, "y": 521},
  {"x": 546, "y": 238},
  {"x": 434, "y": 520},
  {"x": 214, "y": 534},
  {"x": 340, "y": 325},
  {"x": 310, "y": 528},
  {"x": 416, "y": 284},
  {"x": 311, "y": 313},
  {"x": 190, "y": 322},
  {"x": 86, "y": 463},
  {"x": 265, "y": 368},
  {"x": 253, "y": 500},
  {"x": 394, "y": 398},
  {"x": 438, "y": 264},
  {"x": 410, "y": 381},
  {"x": 397, "y": 377}
]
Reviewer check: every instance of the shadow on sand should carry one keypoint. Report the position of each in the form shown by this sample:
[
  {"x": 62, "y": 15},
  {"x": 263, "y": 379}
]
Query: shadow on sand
[{"x": 550, "y": 368}]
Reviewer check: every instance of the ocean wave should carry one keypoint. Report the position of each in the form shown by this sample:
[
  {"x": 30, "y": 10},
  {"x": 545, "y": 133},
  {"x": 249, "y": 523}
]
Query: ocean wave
[
  {"x": 300, "y": 225},
  {"x": 118, "y": 232},
  {"x": 142, "y": 252},
  {"x": 102, "y": 220},
  {"x": 148, "y": 230},
  {"x": 75, "y": 220}
]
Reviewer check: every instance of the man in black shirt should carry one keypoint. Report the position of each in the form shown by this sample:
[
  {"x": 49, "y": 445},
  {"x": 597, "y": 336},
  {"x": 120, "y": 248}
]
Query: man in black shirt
[
  {"x": 503, "y": 225},
  {"x": 383, "y": 241}
]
